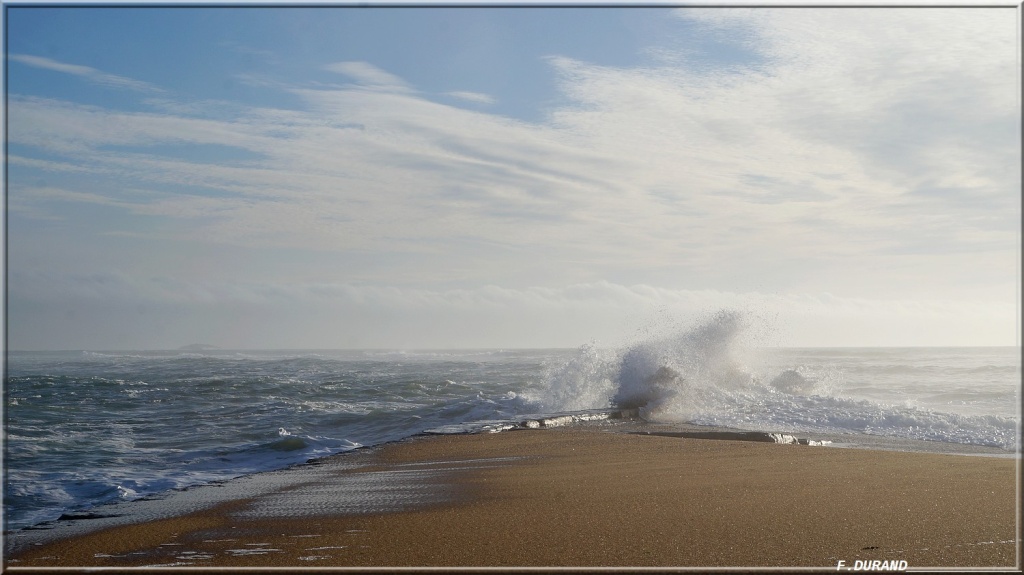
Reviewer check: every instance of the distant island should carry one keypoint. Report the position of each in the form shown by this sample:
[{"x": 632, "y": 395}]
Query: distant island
[{"x": 197, "y": 347}]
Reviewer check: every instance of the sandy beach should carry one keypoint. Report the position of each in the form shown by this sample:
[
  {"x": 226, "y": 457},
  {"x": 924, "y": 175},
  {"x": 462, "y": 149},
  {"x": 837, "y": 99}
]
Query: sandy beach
[{"x": 587, "y": 497}]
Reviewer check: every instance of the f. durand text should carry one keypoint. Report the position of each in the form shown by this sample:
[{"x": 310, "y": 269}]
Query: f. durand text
[{"x": 874, "y": 565}]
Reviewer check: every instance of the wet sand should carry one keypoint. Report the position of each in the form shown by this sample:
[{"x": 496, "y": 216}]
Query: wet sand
[{"x": 587, "y": 497}]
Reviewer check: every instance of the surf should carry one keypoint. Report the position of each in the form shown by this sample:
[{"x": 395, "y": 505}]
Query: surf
[{"x": 713, "y": 372}]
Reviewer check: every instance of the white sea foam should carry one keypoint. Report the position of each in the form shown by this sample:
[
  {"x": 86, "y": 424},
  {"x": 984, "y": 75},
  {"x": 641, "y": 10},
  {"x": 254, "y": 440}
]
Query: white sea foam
[
  {"x": 710, "y": 374},
  {"x": 585, "y": 381}
]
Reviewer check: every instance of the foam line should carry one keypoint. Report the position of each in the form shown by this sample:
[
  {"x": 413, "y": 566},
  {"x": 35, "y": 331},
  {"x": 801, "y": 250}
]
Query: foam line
[
  {"x": 534, "y": 422},
  {"x": 759, "y": 436},
  {"x": 570, "y": 418}
]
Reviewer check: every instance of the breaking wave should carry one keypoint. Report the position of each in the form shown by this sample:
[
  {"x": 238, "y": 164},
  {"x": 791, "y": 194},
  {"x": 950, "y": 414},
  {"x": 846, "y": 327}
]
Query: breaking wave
[{"x": 711, "y": 374}]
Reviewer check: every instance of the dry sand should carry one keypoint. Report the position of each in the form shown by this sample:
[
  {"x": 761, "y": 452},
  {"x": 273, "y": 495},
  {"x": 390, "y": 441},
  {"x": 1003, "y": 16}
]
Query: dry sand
[{"x": 571, "y": 497}]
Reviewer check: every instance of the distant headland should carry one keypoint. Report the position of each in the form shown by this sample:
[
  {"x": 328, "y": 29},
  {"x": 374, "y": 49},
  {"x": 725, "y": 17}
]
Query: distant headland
[{"x": 197, "y": 347}]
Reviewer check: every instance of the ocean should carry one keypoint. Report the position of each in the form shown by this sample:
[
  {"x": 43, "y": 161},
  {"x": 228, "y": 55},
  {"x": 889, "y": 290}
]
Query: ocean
[{"x": 83, "y": 428}]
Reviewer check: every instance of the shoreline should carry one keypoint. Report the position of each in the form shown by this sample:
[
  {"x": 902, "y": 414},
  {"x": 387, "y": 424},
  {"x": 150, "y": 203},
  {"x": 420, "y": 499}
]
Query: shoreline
[
  {"x": 615, "y": 420},
  {"x": 570, "y": 496}
]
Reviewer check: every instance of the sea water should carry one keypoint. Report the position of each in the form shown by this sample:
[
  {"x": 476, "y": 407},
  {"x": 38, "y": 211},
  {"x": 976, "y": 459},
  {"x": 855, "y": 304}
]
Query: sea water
[{"x": 83, "y": 428}]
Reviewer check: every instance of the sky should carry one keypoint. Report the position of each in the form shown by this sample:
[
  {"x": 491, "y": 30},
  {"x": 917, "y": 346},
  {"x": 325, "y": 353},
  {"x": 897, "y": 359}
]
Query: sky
[{"x": 366, "y": 177}]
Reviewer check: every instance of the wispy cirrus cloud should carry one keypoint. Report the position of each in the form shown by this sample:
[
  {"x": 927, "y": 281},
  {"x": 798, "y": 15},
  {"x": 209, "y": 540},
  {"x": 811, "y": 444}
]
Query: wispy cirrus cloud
[
  {"x": 369, "y": 76},
  {"x": 475, "y": 97},
  {"x": 826, "y": 157},
  {"x": 91, "y": 74}
]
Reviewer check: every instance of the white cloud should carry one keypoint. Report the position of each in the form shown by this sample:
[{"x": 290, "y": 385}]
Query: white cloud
[
  {"x": 50, "y": 193},
  {"x": 369, "y": 76},
  {"x": 336, "y": 315},
  {"x": 475, "y": 97},
  {"x": 91, "y": 74},
  {"x": 866, "y": 153}
]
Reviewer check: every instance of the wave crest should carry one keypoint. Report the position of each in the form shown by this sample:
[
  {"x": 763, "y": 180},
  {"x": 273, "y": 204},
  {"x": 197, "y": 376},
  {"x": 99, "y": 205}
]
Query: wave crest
[
  {"x": 708, "y": 374},
  {"x": 667, "y": 378}
]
